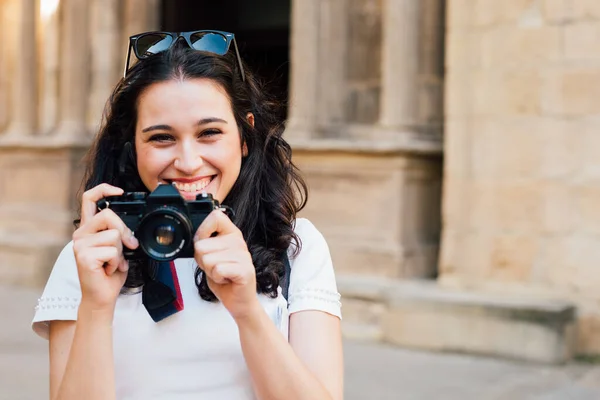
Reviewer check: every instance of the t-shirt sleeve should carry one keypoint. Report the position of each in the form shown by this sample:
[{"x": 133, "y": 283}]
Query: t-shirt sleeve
[
  {"x": 62, "y": 294},
  {"x": 312, "y": 278}
]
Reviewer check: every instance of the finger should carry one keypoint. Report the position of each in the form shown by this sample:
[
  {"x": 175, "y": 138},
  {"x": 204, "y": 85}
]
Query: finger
[
  {"x": 124, "y": 265},
  {"x": 217, "y": 222},
  {"x": 90, "y": 197},
  {"x": 208, "y": 261},
  {"x": 106, "y": 257},
  {"x": 107, "y": 220},
  {"x": 110, "y": 237},
  {"x": 222, "y": 272},
  {"x": 225, "y": 273},
  {"x": 211, "y": 245}
]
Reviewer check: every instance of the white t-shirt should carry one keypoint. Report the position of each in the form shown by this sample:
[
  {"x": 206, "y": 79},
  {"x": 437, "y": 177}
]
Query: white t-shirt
[{"x": 195, "y": 353}]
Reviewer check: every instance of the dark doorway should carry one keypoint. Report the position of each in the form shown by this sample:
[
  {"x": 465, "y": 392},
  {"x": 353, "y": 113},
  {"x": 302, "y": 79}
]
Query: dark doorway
[{"x": 261, "y": 27}]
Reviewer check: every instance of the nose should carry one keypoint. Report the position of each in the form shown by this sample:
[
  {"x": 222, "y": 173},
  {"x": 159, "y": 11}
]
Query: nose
[{"x": 189, "y": 160}]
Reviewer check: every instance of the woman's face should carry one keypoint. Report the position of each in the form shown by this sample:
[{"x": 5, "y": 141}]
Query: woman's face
[{"x": 186, "y": 134}]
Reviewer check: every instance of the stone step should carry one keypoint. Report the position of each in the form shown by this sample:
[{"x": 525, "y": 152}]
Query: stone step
[
  {"x": 27, "y": 259},
  {"x": 36, "y": 219},
  {"x": 420, "y": 314},
  {"x": 364, "y": 305}
]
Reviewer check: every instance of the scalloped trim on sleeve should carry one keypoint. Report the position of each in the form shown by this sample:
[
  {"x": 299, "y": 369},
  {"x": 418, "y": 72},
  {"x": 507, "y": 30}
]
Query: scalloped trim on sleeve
[
  {"x": 53, "y": 309},
  {"x": 316, "y": 299}
]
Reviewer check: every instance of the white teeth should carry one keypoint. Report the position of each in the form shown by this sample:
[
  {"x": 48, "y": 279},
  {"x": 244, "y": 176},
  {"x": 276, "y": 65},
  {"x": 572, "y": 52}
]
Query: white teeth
[{"x": 194, "y": 187}]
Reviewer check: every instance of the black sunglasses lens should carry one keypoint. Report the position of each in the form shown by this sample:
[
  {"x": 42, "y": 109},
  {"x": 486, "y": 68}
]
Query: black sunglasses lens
[
  {"x": 209, "y": 41},
  {"x": 152, "y": 43}
]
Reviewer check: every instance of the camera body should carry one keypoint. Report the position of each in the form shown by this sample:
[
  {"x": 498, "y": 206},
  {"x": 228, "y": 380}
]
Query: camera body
[{"x": 163, "y": 221}]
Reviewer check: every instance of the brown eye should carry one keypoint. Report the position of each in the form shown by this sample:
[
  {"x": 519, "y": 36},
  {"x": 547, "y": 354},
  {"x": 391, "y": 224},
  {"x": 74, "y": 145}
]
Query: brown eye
[
  {"x": 160, "y": 138},
  {"x": 209, "y": 133}
]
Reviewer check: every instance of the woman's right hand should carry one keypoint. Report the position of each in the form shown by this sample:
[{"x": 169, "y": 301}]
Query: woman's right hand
[{"x": 98, "y": 247}]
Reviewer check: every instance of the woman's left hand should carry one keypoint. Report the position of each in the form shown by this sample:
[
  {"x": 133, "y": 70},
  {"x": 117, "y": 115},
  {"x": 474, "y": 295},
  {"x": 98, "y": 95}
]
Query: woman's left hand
[{"x": 227, "y": 263}]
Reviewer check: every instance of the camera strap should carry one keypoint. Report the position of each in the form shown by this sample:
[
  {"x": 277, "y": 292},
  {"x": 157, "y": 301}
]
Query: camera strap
[
  {"x": 161, "y": 294},
  {"x": 162, "y": 297},
  {"x": 285, "y": 281}
]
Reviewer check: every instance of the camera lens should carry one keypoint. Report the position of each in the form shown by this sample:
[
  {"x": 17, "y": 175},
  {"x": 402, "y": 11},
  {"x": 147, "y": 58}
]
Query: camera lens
[{"x": 164, "y": 235}]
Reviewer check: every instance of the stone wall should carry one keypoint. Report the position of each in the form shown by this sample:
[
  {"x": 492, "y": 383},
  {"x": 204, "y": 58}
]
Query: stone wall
[
  {"x": 521, "y": 198},
  {"x": 365, "y": 125},
  {"x": 59, "y": 61}
]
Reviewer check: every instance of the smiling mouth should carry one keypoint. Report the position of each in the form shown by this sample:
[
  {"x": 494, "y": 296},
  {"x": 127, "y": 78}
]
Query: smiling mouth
[{"x": 194, "y": 187}]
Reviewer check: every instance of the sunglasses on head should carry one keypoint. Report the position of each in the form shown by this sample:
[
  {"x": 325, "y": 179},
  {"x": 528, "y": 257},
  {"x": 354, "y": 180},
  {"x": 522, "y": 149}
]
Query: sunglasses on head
[{"x": 149, "y": 43}]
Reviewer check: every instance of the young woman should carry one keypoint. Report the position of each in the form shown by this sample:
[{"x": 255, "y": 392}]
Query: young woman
[{"x": 189, "y": 114}]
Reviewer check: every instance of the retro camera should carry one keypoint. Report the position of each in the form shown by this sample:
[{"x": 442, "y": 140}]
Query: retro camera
[{"x": 163, "y": 221}]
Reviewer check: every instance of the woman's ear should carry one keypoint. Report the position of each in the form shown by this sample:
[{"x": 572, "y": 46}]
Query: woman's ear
[{"x": 250, "y": 119}]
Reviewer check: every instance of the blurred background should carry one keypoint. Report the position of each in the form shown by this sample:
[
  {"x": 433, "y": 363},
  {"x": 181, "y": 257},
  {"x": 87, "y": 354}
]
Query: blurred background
[{"x": 451, "y": 150}]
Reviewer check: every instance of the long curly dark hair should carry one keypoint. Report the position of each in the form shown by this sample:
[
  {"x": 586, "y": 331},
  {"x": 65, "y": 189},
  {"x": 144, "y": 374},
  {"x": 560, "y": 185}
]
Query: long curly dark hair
[{"x": 269, "y": 190}]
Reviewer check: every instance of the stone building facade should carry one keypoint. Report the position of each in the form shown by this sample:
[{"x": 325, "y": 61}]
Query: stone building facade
[{"x": 448, "y": 145}]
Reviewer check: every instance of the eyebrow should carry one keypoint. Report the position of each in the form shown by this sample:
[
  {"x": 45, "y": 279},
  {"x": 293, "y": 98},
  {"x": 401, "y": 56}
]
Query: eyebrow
[{"x": 164, "y": 127}]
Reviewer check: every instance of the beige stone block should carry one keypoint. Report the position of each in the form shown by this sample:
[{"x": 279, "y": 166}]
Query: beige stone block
[
  {"x": 484, "y": 97},
  {"x": 520, "y": 93},
  {"x": 455, "y": 203},
  {"x": 336, "y": 195},
  {"x": 518, "y": 151},
  {"x": 362, "y": 257},
  {"x": 525, "y": 13},
  {"x": 585, "y": 9},
  {"x": 458, "y": 96},
  {"x": 513, "y": 257},
  {"x": 558, "y": 145},
  {"x": 474, "y": 263},
  {"x": 507, "y": 148},
  {"x": 570, "y": 92},
  {"x": 27, "y": 259},
  {"x": 486, "y": 13},
  {"x": 587, "y": 204},
  {"x": 582, "y": 258},
  {"x": 362, "y": 319},
  {"x": 464, "y": 51},
  {"x": 588, "y": 334},
  {"x": 456, "y": 146},
  {"x": 507, "y": 93},
  {"x": 582, "y": 40},
  {"x": 459, "y": 14},
  {"x": 519, "y": 47},
  {"x": 525, "y": 328},
  {"x": 587, "y": 142},
  {"x": 480, "y": 207},
  {"x": 556, "y": 11},
  {"x": 518, "y": 207},
  {"x": 482, "y": 152},
  {"x": 380, "y": 214},
  {"x": 551, "y": 268},
  {"x": 451, "y": 254},
  {"x": 559, "y": 208}
]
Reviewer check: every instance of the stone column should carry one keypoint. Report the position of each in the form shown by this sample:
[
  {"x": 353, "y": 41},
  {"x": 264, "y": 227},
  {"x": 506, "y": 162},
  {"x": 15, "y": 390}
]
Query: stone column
[
  {"x": 74, "y": 70},
  {"x": 107, "y": 64},
  {"x": 5, "y": 28},
  {"x": 49, "y": 40},
  {"x": 140, "y": 16},
  {"x": 304, "y": 68},
  {"x": 431, "y": 69},
  {"x": 23, "y": 82},
  {"x": 331, "y": 77},
  {"x": 400, "y": 64}
]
